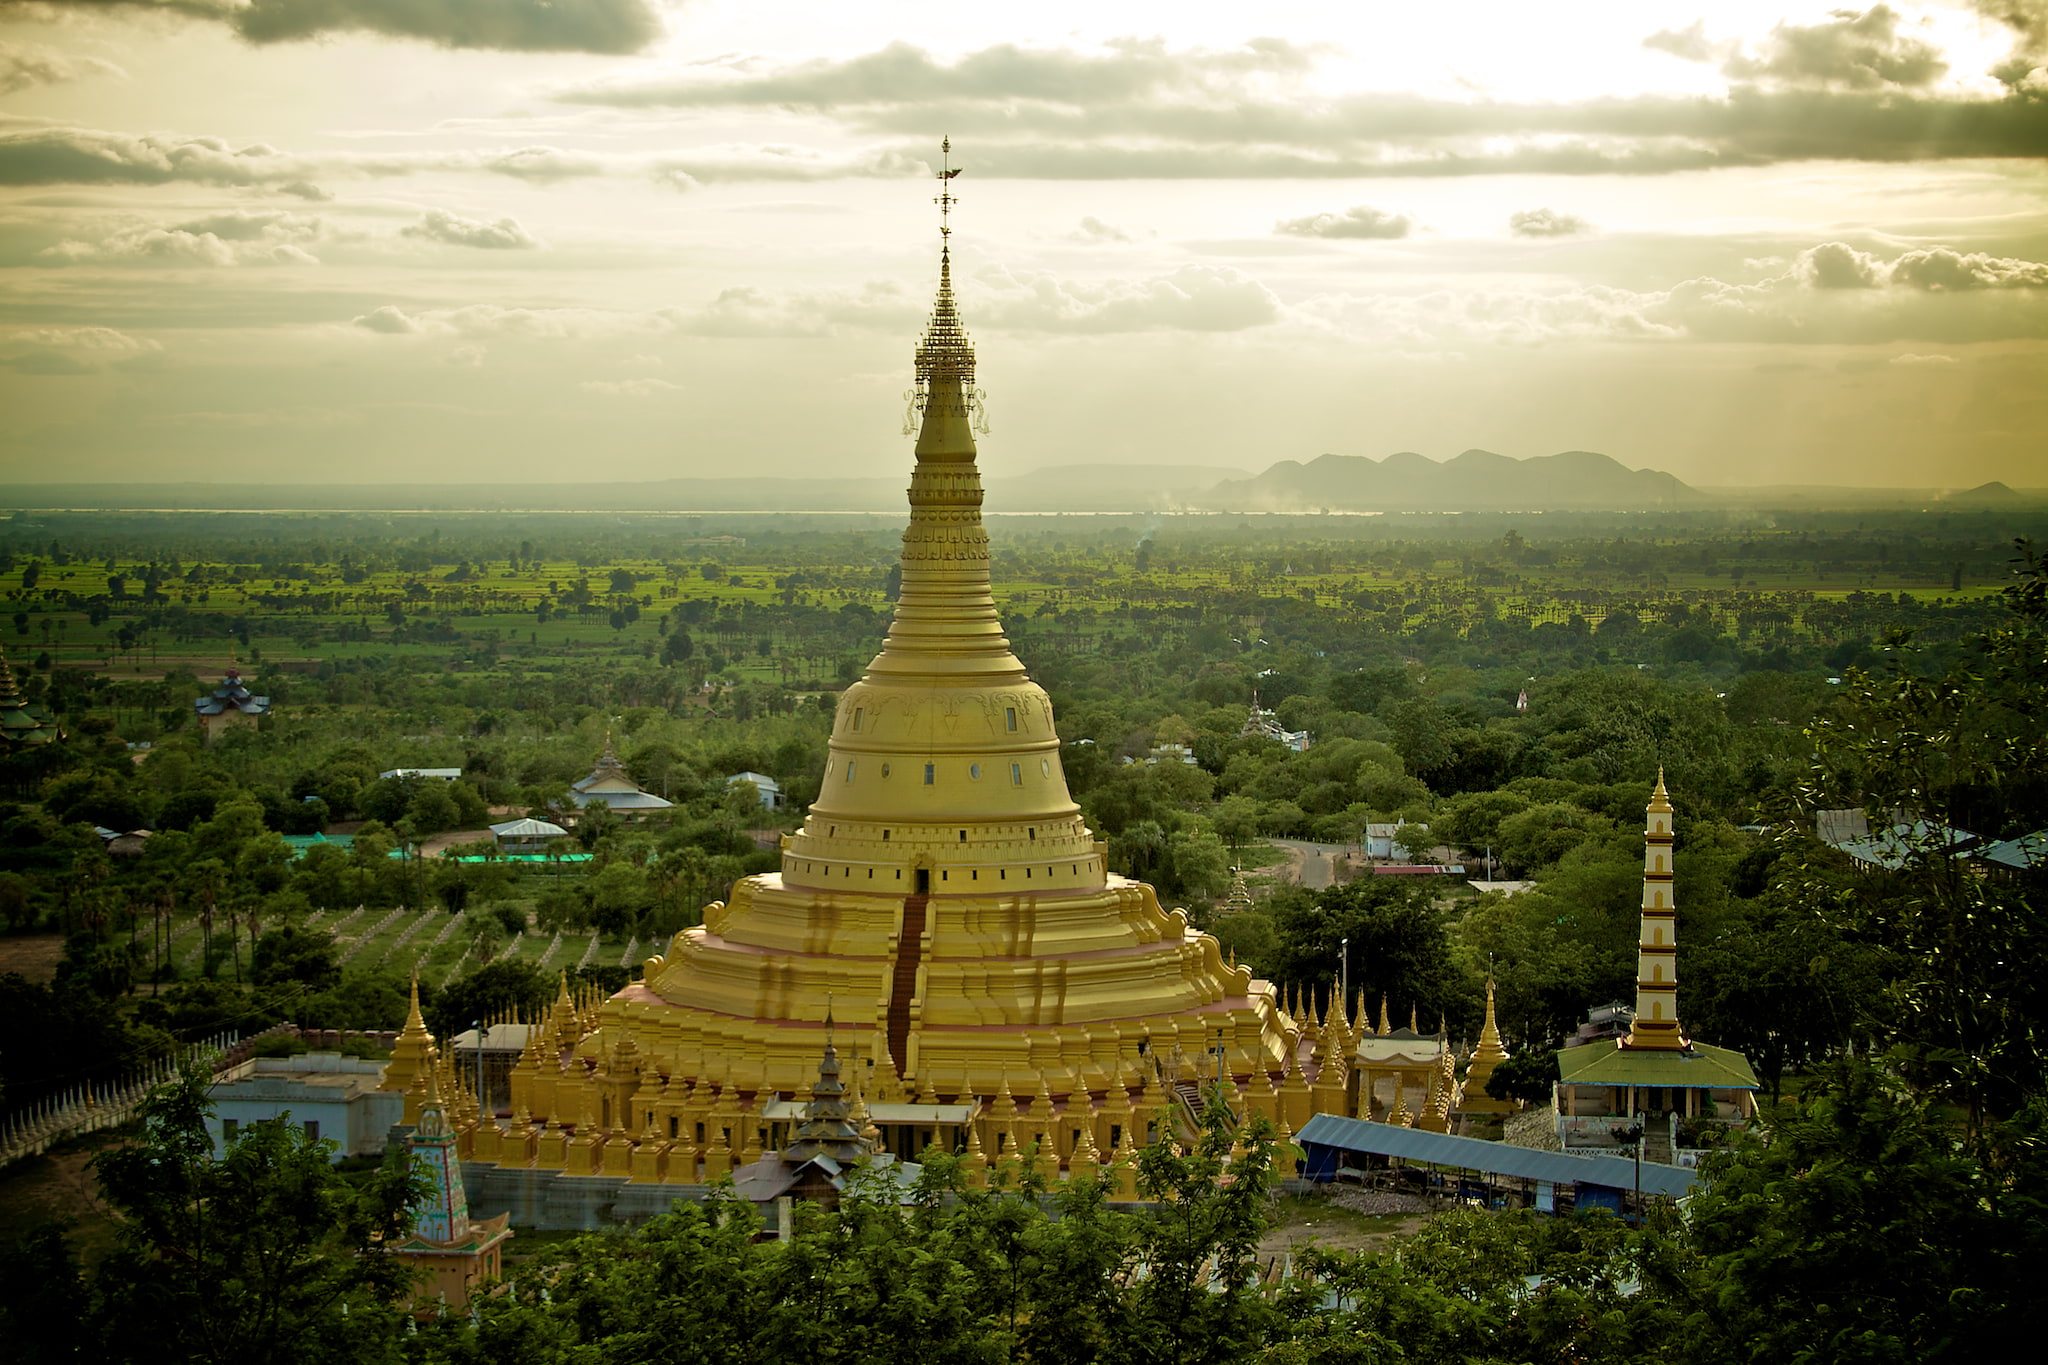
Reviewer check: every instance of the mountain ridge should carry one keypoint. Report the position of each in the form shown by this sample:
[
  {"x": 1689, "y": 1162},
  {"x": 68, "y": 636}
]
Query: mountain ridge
[{"x": 1475, "y": 480}]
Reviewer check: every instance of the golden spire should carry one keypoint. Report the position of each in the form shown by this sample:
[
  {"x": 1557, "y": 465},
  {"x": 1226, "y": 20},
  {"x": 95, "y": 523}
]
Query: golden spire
[
  {"x": 1660, "y": 800},
  {"x": 433, "y": 1121},
  {"x": 1489, "y": 1032}
]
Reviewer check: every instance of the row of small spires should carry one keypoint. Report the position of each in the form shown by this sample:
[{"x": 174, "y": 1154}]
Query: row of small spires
[{"x": 1333, "y": 1032}]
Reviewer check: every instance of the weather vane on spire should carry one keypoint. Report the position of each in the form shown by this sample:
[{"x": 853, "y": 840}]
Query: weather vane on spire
[{"x": 945, "y": 201}]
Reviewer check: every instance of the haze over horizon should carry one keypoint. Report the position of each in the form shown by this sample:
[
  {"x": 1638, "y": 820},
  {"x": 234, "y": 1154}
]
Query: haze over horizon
[{"x": 386, "y": 241}]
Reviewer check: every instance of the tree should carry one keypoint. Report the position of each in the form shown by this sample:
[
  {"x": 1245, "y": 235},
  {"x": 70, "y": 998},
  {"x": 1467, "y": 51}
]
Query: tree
[
  {"x": 1199, "y": 1300},
  {"x": 1527, "y": 1076},
  {"x": 265, "y": 1254},
  {"x": 1860, "y": 1226},
  {"x": 1963, "y": 747},
  {"x": 493, "y": 989},
  {"x": 1399, "y": 946},
  {"x": 289, "y": 954}
]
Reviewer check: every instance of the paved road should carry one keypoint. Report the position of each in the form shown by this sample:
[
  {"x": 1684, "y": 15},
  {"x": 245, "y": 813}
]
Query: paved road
[{"x": 1314, "y": 865}]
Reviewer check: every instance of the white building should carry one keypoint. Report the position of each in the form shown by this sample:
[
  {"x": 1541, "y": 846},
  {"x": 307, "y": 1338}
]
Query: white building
[{"x": 334, "y": 1098}]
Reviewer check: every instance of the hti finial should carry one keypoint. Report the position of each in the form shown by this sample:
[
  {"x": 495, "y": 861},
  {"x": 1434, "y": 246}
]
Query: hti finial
[{"x": 945, "y": 201}]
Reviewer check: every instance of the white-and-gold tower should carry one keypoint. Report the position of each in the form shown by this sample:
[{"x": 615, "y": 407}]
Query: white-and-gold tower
[
  {"x": 1656, "y": 1022},
  {"x": 944, "y": 898}
]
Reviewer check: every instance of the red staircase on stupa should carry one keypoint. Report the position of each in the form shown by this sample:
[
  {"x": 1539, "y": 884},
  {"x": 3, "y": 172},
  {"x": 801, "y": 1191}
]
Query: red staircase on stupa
[{"x": 903, "y": 985}]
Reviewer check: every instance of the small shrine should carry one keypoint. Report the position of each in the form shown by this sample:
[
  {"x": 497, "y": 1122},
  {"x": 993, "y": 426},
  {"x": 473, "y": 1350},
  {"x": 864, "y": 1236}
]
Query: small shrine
[
  {"x": 610, "y": 783},
  {"x": 1488, "y": 1055},
  {"x": 456, "y": 1252},
  {"x": 227, "y": 706},
  {"x": 23, "y": 725}
]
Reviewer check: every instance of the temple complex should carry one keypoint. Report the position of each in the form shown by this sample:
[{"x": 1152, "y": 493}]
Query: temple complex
[
  {"x": 997, "y": 987},
  {"x": 1655, "y": 1071}
]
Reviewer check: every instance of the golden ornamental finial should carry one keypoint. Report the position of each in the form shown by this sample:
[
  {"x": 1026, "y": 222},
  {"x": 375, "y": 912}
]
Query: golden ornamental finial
[
  {"x": 945, "y": 360},
  {"x": 945, "y": 201}
]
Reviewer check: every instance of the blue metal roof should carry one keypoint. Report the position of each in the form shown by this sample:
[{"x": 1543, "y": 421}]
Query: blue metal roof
[{"x": 1494, "y": 1158}]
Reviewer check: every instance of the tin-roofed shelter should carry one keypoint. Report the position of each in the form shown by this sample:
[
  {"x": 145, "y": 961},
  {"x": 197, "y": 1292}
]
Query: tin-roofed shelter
[
  {"x": 526, "y": 835},
  {"x": 1334, "y": 1145}
]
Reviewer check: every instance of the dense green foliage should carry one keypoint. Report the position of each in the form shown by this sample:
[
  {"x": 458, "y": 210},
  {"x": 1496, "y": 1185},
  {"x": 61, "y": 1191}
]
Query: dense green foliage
[{"x": 1859, "y": 1225}]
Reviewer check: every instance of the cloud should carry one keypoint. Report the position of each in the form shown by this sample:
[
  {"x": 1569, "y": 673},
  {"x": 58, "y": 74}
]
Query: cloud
[
  {"x": 390, "y": 320},
  {"x": 1194, "y": 298},
  {"x": 1911, "y": 360},
  {"x": 27, "y": 64},
  {"x": 1547, "y": 223},
  {"x": 629, "y": 388},
  {"x": 441, "y": 226},
  {"x": 72, "y": 350},
  {"x": 87, "y": 156},
  {"x": 222, "y": 239},
  {"x": 2028, "y": 20},
  {"x": 543, "y": 165},
  {"x": 1942, "y": 269},
  {"x": 1831, "y": 293},
  {"x": 485, "y": 321},
  {"x": 1851, "y": 88},
  {"x": 1850, "y": 51},
  {"x": 1360, "y": 221},
  {"x": 1093, "y": 229},
  {"x": 1837, "y": 265},
  {"x": 601, "y": 26},
  {"x": 903, "y": 74},
  {"x": 83, "y": 156},
  {"x": 1690, "y": 43}
]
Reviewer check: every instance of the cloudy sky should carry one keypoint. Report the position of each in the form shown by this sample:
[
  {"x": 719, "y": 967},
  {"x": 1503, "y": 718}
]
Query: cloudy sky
[{"x": 541, "y": 240}]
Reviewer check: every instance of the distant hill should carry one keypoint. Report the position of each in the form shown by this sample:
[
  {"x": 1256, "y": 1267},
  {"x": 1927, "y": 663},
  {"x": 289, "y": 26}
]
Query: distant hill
[
  {"x": 1993, "y": 494},
  {"x": 1477, "y": 480}
]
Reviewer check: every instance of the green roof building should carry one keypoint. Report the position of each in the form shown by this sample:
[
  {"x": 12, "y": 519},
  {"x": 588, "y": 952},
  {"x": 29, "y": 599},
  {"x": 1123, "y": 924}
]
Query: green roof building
[{"x": 1654, "y": 1075}]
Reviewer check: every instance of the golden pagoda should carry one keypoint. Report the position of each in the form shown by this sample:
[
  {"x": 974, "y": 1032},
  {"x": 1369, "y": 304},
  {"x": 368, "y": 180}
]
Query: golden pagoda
[
  {"x": 944, "y": 893},
  {"x": 1488, "y": 1055}
]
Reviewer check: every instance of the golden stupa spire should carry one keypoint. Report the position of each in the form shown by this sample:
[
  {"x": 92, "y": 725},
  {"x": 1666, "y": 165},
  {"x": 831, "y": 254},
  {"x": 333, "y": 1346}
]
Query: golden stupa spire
[
  {"x": 1489, "y": 1032},
  {"x": 945, "y": 747}
]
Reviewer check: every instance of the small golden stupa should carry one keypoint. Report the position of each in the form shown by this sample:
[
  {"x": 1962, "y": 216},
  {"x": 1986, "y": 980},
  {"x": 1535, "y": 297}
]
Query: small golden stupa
[{"x": 944, "y": 898}]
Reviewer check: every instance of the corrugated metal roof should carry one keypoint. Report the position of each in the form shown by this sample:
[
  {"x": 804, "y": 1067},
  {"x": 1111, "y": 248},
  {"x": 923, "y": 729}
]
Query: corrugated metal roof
[
  {"x": 1494, "y": 1158},
  {"x": 2029, "y": 850}
]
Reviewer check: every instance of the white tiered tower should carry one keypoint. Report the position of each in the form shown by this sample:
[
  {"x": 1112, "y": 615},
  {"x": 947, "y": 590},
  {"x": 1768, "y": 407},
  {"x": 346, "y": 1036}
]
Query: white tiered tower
[{"x": 1656, "y": 1022}]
